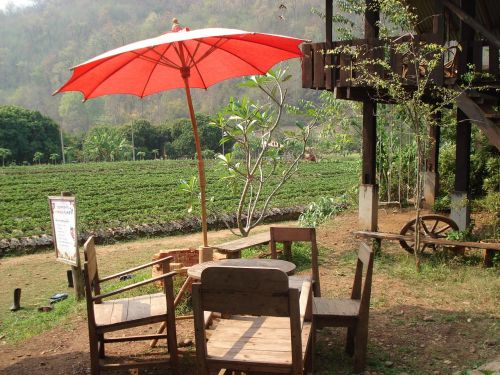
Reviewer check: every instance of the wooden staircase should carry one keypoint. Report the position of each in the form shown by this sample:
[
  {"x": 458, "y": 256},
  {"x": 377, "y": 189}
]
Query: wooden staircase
[{"x": 483, "y": 109}]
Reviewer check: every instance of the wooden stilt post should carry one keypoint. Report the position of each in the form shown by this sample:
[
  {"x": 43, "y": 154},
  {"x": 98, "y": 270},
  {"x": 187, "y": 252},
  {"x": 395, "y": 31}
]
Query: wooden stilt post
[{"x": 460, "y": 212}]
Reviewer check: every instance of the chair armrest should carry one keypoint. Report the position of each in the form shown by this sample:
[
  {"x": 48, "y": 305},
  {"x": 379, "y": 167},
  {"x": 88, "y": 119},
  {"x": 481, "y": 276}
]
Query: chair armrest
[
  {"x": 150, "y": 264},
  {"x": 132, "y": 286},
  {"x": 305, "y": 302}
]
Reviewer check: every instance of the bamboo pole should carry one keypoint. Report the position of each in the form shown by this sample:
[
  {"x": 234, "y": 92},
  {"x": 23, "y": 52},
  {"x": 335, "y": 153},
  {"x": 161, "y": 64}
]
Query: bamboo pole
[{"x": 201, "y": 167}]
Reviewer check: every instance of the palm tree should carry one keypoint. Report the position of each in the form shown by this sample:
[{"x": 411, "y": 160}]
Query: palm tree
[
  {"x": 141, "y": 155},
  {"x": 155, "y": 153},
  {"x": 37, "y": 157},
  {"x": 4, "y": 153},
  {"x": 54, "y": 157}
]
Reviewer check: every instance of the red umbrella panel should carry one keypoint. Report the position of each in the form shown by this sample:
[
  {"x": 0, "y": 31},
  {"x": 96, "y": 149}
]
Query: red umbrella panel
[{"x": 184, "y": 59}]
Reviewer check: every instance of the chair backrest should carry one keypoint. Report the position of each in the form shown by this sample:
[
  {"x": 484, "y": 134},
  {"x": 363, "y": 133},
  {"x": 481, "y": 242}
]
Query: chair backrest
[
  {"x": 287, "y": 235},
  {"x": 362, "y": 287},
  {"x": 91, "y": 273},
  {"x": 246, "y": 291}
]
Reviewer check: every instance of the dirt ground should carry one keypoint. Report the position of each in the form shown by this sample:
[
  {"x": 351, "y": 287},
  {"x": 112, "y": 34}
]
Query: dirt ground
[{"x": 411, "y": 331}]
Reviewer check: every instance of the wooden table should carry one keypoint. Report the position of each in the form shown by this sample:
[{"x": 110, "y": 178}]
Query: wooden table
[{"x": 195, "y": 271}]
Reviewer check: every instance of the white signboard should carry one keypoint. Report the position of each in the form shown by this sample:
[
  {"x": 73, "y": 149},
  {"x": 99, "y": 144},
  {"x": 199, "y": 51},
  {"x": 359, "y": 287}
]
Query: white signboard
[{"x": 64, "y": 233}]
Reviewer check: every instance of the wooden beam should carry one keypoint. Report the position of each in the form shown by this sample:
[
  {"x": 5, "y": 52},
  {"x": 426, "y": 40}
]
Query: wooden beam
[
  {"x": 471, "y": 21},
  {"x": 329, "y": 22},
  {"x": 369, "y": 142},
  {"x": 434, "y": 135},
  {"x": 462, "y": 163},
  {"x": 372, "y": 16}
]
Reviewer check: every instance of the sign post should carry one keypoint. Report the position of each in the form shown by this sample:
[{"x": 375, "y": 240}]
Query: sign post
[{"x": 65, "y": 237}]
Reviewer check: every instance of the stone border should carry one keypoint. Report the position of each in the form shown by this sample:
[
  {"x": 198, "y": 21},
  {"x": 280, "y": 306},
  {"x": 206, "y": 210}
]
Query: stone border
[{"x": 26, "y": 245}]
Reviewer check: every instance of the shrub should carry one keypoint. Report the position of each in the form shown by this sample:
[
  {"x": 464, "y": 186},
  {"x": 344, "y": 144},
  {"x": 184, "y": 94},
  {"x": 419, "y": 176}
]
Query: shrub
[{"x": 319, "y": 212}]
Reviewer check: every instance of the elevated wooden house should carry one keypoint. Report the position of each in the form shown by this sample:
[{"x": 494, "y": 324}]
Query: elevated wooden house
[{"x": 473, "y": 26}]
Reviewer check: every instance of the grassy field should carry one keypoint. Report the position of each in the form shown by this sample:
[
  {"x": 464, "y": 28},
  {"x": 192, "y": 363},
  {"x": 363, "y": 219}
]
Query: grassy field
[{"x": 125, "y": 193}]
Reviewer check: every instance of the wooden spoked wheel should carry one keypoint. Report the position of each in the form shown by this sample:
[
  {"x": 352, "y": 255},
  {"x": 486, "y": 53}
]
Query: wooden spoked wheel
[{"x": 433, "y": 226}]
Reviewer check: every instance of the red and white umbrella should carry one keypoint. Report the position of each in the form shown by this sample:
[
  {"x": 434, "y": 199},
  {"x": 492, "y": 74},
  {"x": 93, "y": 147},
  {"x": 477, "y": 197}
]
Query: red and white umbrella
[{"x": 184, "y": 59}]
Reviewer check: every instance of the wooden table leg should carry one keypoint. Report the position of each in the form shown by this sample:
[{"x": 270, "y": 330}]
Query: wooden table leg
[{"x": 178, "y": 298}]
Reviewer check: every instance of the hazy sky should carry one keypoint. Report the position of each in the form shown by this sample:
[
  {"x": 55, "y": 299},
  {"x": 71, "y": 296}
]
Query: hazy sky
[{"x": 3, "y": 3}]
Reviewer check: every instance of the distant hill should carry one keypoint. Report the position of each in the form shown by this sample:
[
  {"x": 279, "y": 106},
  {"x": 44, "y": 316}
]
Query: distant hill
[{"x": 38, "y": 44}]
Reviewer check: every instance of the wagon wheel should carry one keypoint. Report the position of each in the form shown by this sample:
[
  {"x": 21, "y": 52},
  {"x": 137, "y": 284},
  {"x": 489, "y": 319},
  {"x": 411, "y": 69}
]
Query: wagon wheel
[{"x": 433, "y": 226}]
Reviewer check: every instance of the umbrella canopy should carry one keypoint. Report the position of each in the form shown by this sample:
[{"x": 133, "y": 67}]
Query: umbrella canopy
[{"x": 184, "y": 59}]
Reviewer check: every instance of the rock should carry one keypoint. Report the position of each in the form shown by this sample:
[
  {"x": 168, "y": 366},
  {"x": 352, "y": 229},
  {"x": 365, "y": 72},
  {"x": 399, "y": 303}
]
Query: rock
[
  {"x": 469, "y": 320},
  {"x": 422, "y": 345},
  {"x": 403, "y": 373},
  {"x": 428, "y": 318},
  {"x": 447, "y": 361},
  {"x": 493, "y": 367},
  {"x": 388, "y": 364},
  {"x": 472, "y": 349},
  {"x": 184, "y": 343},
  {"x": 490, "y": 342}
]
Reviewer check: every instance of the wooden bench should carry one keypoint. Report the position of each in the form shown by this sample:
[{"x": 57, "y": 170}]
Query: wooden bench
[
  {"x": 490, "y": 248},
  {"x": 232, "y": 249}
]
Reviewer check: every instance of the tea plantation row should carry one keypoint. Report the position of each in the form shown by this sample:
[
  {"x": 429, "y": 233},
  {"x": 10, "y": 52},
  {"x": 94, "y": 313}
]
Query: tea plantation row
[{"x": 124, "y": 193}]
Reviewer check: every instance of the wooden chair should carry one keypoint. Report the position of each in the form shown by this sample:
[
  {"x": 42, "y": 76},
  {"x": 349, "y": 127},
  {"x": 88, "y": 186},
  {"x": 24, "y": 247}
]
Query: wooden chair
[
  {"x": 269, "y": 325},
  {"x": 352, "y": 313},
  {"x": 120, "y": 314},
  {"x": 287, "y": 235}
]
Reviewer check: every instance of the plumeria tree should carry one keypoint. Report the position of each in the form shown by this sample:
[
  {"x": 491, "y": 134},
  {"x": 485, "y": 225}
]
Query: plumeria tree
[{"x": 265, "y": 154}]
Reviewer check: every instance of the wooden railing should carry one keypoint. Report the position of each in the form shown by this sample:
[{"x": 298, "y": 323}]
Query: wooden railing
[{"x": 325, "y": 71}]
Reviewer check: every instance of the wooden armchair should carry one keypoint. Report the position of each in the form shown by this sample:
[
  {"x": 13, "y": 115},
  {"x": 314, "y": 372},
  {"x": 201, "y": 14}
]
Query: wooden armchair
[
  {"x": 269, "y": 325},
  {"x": 352, "y": 313},
  {"x": 114, "y": 315},
  {"x": 287, "y": 235}
]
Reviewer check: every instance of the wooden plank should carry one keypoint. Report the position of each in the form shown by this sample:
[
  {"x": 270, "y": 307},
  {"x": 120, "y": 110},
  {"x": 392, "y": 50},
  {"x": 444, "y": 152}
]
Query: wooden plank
[
  {"x": 291, "y": 234},
  {"x": 437, "y": 241},
  {"x": 254, "y": 340},
  {"x": 326, "y": 307},
  {"x": 307, "y": 66},
  {"x": 493, "y": 63},
  {"x": 243, "y": 243},
  {"x": 319, "y": 66},
  {"x": 364, "y": 253}
]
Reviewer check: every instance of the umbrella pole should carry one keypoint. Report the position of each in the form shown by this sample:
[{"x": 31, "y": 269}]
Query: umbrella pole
[{"x": 201, "y": 167}]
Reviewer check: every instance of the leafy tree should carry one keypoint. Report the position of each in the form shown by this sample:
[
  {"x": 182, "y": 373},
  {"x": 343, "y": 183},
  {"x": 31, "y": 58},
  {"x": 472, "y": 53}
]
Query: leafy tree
[
  {"x": 106, "y": 143},
  {"x": 4, "y": 153},
  {"x": 155, "y": 153},
  {"x": 24, "y": 132},
  {"x": 37, "y": 157},
  {"x": 181, "y": 133}
]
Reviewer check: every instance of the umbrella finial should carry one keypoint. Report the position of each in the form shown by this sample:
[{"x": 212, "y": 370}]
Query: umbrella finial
[{"x": 175, "y": 25}]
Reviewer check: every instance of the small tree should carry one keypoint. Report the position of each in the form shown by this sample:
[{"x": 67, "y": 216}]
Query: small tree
[
  {"x": 155, "y": 153},
  {"x": 4, "y": 153},
  {"x": 37, "y": 157}
]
